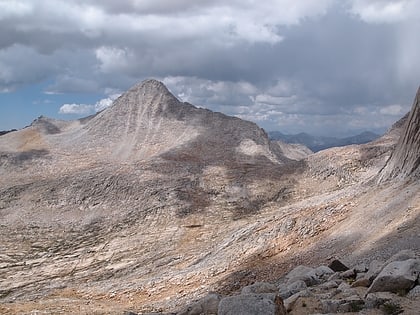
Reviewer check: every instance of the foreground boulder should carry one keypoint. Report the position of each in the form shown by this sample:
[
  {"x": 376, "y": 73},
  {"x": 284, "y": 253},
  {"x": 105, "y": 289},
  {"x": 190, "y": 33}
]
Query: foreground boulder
[
  {"x": 328, "y": 292},
  {"x": 397, "y": 276},
  {"x": 259, "y": 287},
  {"x": 303, "y": 273},
  {"x": 252, "y": 304},
  {"x": 205, "y": 306}
]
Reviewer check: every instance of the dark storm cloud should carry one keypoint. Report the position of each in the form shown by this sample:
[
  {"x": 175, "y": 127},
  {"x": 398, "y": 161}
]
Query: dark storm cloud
[{"x": 308, "y": 65}]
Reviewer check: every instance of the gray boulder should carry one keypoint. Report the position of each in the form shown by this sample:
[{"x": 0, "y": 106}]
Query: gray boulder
[
  {"x": 414, "y": 293},
  {"x": 259, "y": 287},
  {"x": 292, "y": 288},
  {"x": 348, "y": 274},
  {"x": 375, "y": 300},
  {"x": 328, "y": 285},
  {"x": 375, "y": 268},
  {"x": 304, "y": 273},
  {"x": 402, "y": 255},
  {"x": 290, "y": 302},
  {"x": 362, "y": 282},
  {"x": 252, "y": 304},
  {"x": 323, "y": 272},
  {"x": 351, "y": 304},
  {"x": 396, "y": 276},
  {"x": 207, "y": 305}
]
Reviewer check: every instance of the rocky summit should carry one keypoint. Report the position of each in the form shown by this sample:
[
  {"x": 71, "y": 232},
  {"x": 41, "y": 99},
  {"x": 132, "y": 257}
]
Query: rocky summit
[{"x": 156, "y": 206}]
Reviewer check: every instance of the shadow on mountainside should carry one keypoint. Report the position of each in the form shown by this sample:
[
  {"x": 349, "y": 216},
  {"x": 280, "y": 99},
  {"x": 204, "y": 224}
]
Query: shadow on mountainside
[
  {"x": 238, "y": 182},
  {"x": 18, "y": 159},
  {"x": 398, "y": 231}
]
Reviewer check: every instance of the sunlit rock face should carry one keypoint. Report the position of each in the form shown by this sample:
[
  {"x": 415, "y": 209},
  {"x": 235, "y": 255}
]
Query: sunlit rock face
[{"x": 405, "y": 159}]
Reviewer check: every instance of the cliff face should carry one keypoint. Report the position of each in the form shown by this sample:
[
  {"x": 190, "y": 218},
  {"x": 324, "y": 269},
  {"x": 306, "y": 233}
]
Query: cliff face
[{"x": 405, "y": 159}]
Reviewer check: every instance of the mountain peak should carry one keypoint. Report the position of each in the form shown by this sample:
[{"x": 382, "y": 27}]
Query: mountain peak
[{"x": 149, "y": 86}]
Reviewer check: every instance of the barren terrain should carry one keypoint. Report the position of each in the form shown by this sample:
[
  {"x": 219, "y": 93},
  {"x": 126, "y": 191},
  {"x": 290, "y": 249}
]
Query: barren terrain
[{"x": 153, "y": 202}]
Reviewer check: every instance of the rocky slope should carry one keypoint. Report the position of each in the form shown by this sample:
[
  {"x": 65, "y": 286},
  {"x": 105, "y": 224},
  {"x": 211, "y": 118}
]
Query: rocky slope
[
  {"x": 151, "y": 203},
  {"x": 389, "y": 287},
  {"x": 405, "y": 160}
]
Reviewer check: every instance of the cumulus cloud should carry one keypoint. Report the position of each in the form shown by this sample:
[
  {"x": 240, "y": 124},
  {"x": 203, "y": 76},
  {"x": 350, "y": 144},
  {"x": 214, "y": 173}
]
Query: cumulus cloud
[
  {"x": 314, "y": 65},
  {"x": 380, "y": 11},
  {"x": 393, "y": 110},
  {"x": 86, "y": 109},
  {"x": 105, "y": 102},
  {"x": 78, "y": 109}
]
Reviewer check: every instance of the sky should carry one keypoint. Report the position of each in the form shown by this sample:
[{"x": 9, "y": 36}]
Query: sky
[{"x": 326, "y": 67}]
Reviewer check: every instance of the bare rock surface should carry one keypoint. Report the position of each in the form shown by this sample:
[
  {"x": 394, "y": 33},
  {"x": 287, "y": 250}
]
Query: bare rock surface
[
  {"x": 397, "y": 276},
  {"x": 326, "y": 297},
  {"x": 405, "y": 159},
  {"x": 152, "y": 203},
  {"x": 252, "y": 304}
]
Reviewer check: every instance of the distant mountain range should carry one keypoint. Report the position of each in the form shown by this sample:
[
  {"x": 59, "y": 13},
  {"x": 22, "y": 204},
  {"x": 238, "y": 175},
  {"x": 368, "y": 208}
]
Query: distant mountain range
[{"x": 320, "y": 143}]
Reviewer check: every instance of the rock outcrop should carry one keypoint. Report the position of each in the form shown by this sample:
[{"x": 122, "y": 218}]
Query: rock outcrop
[
  {"x": 405, "y": 160},
  {"x": 397, "y": 276},
  {"x": 252, "y": 304},
  {"x": 395, "y": 288}
]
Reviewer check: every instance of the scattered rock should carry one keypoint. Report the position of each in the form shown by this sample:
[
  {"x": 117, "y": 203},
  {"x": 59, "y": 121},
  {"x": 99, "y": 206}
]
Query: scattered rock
[
  {"x": 205, "y": 306},
  {"x": 252, "y": 304},
  {"x": 361, "y": 268},
  {"x": 374, "y": 300},
  {"x": 337, "y": 265},
  {"x": 330, "y": 306},
  {"x": 304, "y": 273},
  {"x": 402, "y": 255},
  {"x": 259, "y": 287},
  {"x": 344, "y": 286},
  {"x": 396, "y": 276},
  {"x": 292, "y": 288},
  {"x": 329, "y": 285},
  {"x": 290, "y": 301},
  {"x": 360, "y": 275},
  {"x": 414, "y": 293},
  {"x": 334, "y": 276},
  {"x": 322, "y": 295},
  {"x": 375, "y": 268},
  {"x": 351, "y": 304},
  {"x": 363, "y": 282},
  {"x": 323, "y": 272},
  {"x": 348, "y": 274}
]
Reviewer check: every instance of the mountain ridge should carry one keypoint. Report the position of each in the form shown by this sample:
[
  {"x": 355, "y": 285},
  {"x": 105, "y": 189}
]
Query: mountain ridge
[
  {"x": 153, "y": 202},
  {"x": 318, "y": 143}
]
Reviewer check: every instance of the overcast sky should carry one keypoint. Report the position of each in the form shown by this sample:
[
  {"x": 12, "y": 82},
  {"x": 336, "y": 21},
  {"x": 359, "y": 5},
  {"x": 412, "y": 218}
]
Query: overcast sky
[{"x": 328, "y": 67}]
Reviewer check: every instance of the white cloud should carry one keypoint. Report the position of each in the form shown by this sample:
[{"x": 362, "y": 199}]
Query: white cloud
[
  {"x": 20, "y": 64},
  {"x": 113, "y": 58},
  {"x": 78, "y": 109},
  {"x": 392, "y": 110},
  {"x": 12, "y": 8},
  {"x": 86, "y": 109},
  {"x": 210, "y": 92},
  {"x": 105, "y": 102},
  {"x": 385, "y": 11},
  {"x": 279, "y": 62}
]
